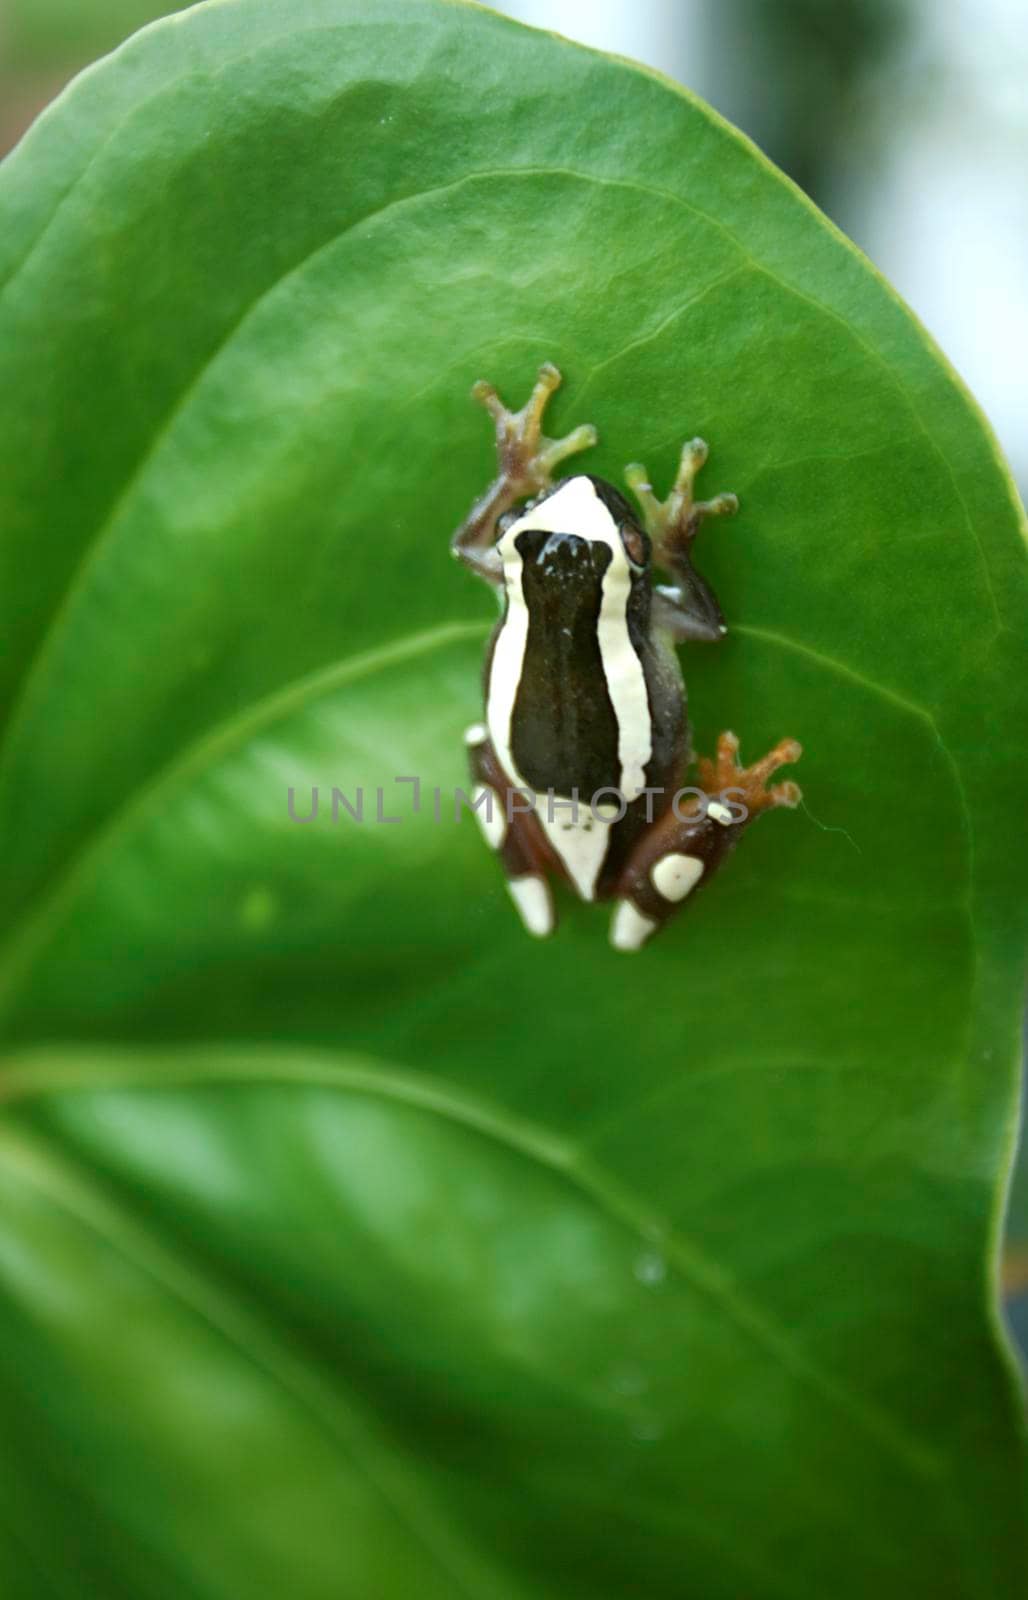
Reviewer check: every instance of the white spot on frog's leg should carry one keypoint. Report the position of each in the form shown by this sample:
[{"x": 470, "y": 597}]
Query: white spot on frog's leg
[
  {"x": 674, "y": 876},
  {"x": 489, "y": 815},
  {"x": 477, "y": 734},
  {"x": 531, "y": 895},
  {"x": 629, "y": 929},
  {"x": 720, "y": 813}
]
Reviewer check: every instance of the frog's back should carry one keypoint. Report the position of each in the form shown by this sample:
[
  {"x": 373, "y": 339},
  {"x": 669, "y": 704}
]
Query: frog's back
[{"x": 580, "y": 698}]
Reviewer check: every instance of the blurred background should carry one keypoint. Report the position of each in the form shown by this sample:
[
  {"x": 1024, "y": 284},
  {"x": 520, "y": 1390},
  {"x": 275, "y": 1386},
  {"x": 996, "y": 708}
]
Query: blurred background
[{"x": 905, "y": 120}]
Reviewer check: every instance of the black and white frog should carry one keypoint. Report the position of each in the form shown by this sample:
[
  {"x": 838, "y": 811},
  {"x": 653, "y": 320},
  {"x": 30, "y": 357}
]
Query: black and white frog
[{"x": 580, "y": 762}]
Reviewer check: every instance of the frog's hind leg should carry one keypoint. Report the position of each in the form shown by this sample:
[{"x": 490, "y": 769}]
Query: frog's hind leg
[
  {"x": 680, "y": 852},
  {"x": 513, "y": 833}
]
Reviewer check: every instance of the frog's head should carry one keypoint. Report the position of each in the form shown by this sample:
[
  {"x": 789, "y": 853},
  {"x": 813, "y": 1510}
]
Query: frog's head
[{"x": 576, "y": 548}]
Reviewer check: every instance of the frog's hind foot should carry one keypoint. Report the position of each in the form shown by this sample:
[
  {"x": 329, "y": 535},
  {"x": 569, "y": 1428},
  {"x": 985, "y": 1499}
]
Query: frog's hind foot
[
  {"x": 527, "y": 458},
  {"x": 687, "y": 846},
  {"x": 724, "y": 774},
  {"x": 673, "y": 523}
]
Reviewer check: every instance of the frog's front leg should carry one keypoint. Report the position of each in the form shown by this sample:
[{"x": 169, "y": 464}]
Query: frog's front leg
[
  {"x": 688, "y": 608},
  {"x": 514, "y": 833},
  {"x": 526, "y": 460},
  {"x": 681, "y": 851}
]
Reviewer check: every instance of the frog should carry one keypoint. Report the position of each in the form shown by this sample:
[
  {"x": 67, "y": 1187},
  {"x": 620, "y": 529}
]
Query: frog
[{"x": 579, "y": 763}]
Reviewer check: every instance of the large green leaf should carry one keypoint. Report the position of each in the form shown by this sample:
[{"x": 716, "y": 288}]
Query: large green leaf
[{"x": 354, "y": 1244}]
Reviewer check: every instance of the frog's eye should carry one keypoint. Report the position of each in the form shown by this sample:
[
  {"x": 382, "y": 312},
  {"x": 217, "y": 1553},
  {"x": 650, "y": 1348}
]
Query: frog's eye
[{"x": 636, "y": 543}]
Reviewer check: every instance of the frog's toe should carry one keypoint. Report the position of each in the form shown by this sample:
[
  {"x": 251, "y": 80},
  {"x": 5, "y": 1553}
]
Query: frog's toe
[
  {"x": 629, "y": 927},
  {"x": 725, "y": 774}
]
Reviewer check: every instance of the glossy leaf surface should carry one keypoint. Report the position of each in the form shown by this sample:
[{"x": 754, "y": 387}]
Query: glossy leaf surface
[{"x": 353, "y": 1243}]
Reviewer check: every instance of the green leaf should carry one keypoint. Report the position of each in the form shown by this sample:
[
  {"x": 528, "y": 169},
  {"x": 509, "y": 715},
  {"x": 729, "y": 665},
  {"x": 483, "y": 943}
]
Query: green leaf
[{"x": 353, "y": 1243}]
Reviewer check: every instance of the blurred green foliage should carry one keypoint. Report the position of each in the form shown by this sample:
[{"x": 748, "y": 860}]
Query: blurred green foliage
[
  {"x": 47, "y": 35},
  {"x": 796, "y": 76}
]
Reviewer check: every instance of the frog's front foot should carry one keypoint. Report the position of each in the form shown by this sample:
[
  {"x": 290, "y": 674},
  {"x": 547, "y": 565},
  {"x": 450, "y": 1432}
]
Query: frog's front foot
[
  {"x": 527, "y": 458},
  {"x": 673, "y": 523},
  {"x": 688, "y": 609}
]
